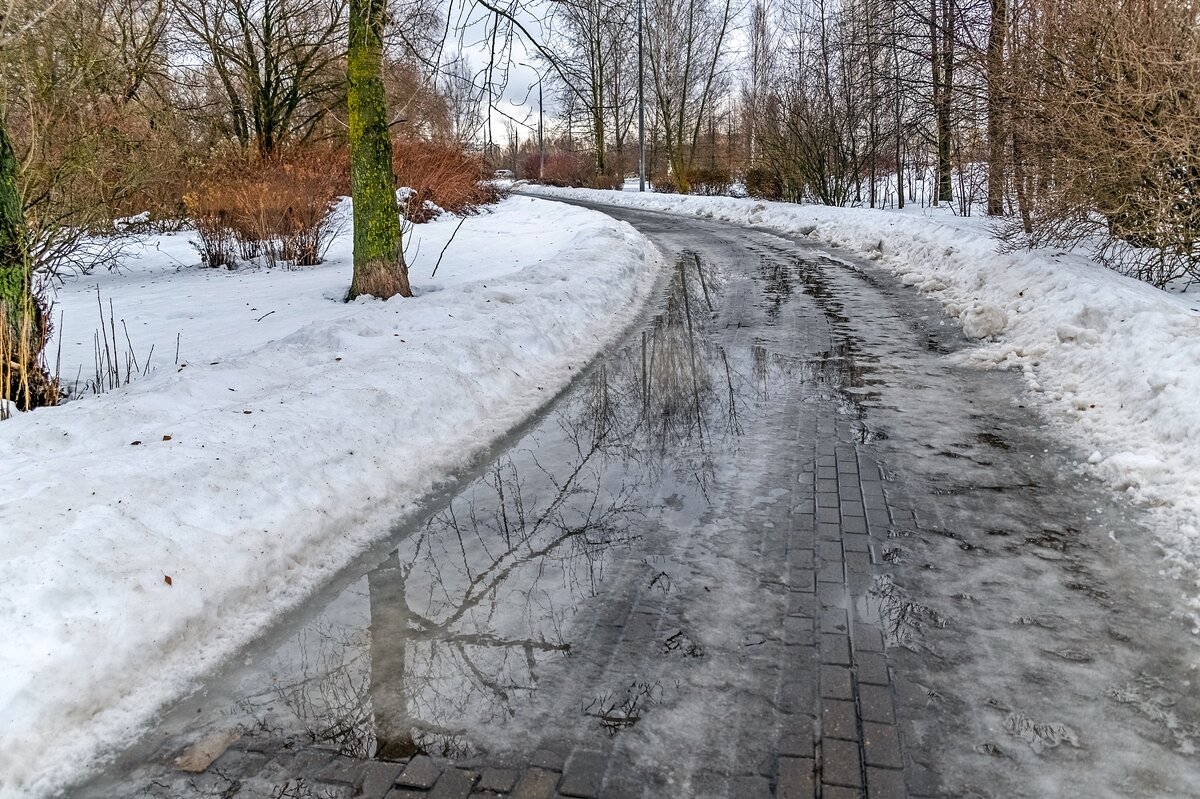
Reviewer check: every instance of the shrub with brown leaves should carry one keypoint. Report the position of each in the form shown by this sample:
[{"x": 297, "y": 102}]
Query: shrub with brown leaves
[
  {"x": 608, "y": 180},
  {"x": 559, "y": 169},
  {"x": 279, "y": 209},
  {"x": 443, "y": 175}
]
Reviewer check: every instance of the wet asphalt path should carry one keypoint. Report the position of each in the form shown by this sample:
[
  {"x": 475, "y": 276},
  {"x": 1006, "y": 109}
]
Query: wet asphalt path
[{"x": 776, "y": 543}]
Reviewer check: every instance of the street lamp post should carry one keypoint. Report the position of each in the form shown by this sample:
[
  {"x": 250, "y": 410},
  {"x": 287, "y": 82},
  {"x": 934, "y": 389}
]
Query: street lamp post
[
  {"x": 541, "y": 129},
  {"x": 641, "y": 107},
  {"x": 541, "y": 136}
]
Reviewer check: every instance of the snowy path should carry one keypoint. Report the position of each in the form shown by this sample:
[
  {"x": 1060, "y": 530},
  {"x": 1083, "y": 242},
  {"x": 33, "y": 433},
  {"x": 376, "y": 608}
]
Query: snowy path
[{"x": 779, "y": 542}]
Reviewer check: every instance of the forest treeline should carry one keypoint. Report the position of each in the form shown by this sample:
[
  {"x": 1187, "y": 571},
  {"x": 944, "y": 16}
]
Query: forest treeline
[{"x": 1068, "y": 120}]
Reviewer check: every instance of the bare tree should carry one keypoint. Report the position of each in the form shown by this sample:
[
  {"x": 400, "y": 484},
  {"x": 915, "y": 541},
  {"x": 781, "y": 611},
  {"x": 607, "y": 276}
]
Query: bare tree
[
  {"x": 685, "y": 49},
  {"x": 1107, "y": 100},
  {"x": 277, "y": 63}
]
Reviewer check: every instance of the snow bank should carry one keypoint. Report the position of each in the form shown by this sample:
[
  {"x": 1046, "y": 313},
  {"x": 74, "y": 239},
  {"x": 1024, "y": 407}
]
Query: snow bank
[
  {"x": 1115, "y": 361},
  {"x": 150, "y": 532}
]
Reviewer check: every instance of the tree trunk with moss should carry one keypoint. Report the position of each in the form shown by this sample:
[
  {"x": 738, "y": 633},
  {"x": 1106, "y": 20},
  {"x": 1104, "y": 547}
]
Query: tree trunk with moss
[
  {"x": 22, "y": 328},
  {"x": 379, "y": 268}
]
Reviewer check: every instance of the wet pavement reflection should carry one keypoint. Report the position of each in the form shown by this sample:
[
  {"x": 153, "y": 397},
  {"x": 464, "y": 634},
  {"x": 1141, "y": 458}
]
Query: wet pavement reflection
[{"x": 778, "y": 537}]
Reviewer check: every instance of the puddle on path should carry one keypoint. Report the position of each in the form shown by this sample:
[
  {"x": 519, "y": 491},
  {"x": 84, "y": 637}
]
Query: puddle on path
[
  {"x": 479, "y": 632},
  {"x": 612, "y": 579}
]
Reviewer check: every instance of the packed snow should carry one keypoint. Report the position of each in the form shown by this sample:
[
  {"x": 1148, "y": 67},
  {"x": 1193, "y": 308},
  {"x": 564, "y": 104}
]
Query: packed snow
[
  {"x": 152, "y": 531},
  {"x": 1115, "y": 362}
]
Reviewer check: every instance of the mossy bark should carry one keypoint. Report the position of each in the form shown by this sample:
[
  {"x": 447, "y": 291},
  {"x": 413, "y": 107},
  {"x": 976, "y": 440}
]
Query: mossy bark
[
  {"x": 22, "y": 326},
  {"x": 379, "y": 268}
]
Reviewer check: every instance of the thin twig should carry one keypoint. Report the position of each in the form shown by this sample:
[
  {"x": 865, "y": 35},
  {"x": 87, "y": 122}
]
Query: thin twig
[
  {"x": 443, "y": 252},
  {"x": 129, "y": 343}
]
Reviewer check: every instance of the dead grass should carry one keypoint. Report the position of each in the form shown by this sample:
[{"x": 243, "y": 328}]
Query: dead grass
[{"x": 25, "y": 381}]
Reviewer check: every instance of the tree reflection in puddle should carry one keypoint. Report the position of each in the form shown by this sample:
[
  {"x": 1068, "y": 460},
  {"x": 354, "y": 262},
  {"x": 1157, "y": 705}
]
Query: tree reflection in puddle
[
  {"x": 465, "y": 612},
  {"x": 619, "y": 711},
  {"x": 482, "y": 612}
]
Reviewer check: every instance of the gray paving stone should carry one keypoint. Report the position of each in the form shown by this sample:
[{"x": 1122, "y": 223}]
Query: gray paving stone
[
  {"x": 860, "y": 583},
  {"x": 500, "y": 780},
  {"x": 885, "y": 784},
  {"x": 828, "y": 530},
  {"x": 878, "y": 518},
  {"x": 855, "y": 525},
  {"x": 870, "y": 667},
  {"x": 421, "y": 772},
  {"x": 838, "y": 719},
  {"x": 749, "y": 788},
  {"x": 406, "y": 793},
  {"x": 803, "y": 581},
  {"x": 868, "y": 639},
  {"x": 859, "y": 563},
  {"x": 836, "y": 682},
  {"x": 798, "y": 631},
  {"x": 797, "y": 739},
  {"x": 345, "y": 769},
  {"x": 549, "y": 759},
  {"x": 827, "y": 499},
  {"x": 873, "y": 501},
  {"x": 455, "y": 783},
  {"x": 796, "y": 778},
  {"x": 831, "y": 594},
  {"x": 834, "y": 620},
  {"x": 535, "y": 783},
  {"x": 310, "y": 761},
  {"x": 835, "y": 649},
  {"x": 800, "y": 558},
  {"x": 856, "y": 542},
  {"x": 828, "y": 516},
  {"x": 852, "y": 508},
  {"x": 881, "y": 745},
  {"x": 830, "y": 551},
  {"x": 624, "y": 782},
  {"x": 376, "y": 777},
  {"x": 797, "y": 696},
  {"x": 584, "y": 775},
  {"x": 840, "y": 792},
  {"x": 831, "y": 573},
  {"x": 875, "y": 703},
  {"x": 840, "y": 763},
  {"x": 766, "y": 764},
  {"x": 331, "y": 790}
]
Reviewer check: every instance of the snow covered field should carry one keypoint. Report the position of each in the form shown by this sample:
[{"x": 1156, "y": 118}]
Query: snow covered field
[
  {"x": 150, "y": 532},
  {"x": 1115, "y": 362}
]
